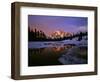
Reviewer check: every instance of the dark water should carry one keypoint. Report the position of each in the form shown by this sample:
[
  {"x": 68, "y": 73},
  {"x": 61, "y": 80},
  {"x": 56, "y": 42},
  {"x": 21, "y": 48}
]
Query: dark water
[{"x": 46, "y": 56}]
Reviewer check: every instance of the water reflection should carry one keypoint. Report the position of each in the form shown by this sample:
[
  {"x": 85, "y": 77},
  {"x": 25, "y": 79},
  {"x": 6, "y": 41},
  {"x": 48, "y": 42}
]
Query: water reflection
[{"x": 46, "y": 56}]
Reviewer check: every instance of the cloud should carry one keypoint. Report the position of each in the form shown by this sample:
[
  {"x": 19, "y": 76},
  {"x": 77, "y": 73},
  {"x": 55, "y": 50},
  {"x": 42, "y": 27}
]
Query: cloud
[{"x": 82, "y": 28}]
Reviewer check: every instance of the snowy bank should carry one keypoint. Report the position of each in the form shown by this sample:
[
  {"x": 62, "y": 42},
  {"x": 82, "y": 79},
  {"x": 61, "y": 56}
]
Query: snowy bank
[
  {"x": 71, "y": 57},
  {"x": 56, "y": 43}
]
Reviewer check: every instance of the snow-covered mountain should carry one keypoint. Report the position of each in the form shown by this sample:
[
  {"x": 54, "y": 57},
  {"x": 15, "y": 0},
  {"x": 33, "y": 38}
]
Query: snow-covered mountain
[{"x": 60, "y": 34}]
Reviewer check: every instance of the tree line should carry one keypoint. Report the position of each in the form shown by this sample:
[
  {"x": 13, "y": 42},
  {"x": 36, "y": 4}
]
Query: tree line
[{"x": 38, "y": 35}]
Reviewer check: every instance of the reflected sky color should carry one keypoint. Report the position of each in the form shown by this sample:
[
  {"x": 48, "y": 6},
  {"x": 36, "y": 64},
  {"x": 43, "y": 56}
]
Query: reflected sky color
[{"x": 49, "y": 24}]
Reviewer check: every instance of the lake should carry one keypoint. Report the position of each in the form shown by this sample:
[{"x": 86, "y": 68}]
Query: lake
[
  {"x": 57, "y": 53},
  {"x": 46, "y": 56}
]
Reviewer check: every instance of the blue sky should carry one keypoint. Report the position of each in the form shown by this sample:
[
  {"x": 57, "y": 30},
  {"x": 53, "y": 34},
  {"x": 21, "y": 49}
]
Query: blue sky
[{"x": 49, "y": 24}]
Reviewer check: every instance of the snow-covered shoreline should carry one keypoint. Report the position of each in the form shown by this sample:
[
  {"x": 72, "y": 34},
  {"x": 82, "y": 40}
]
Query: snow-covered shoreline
[
  {"x": 71, "y": 57},
  {"x": 46, "y": 44}
]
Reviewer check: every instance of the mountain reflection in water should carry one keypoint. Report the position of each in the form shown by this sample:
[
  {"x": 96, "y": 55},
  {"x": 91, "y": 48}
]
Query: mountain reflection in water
[{"x": 46, "y": 56}]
